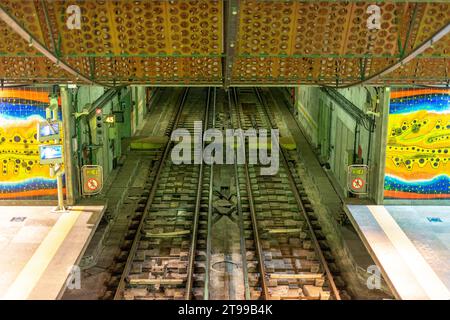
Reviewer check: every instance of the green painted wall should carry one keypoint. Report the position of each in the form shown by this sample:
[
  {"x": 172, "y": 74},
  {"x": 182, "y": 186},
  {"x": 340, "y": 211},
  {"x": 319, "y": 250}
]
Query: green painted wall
[
  {"x": 331, "y": 130},
  {"x": 105, "y": 148}
]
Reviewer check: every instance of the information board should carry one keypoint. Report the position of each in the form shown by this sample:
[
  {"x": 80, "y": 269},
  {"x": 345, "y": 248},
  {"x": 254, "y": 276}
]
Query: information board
[{"x": 50, "y": 154}]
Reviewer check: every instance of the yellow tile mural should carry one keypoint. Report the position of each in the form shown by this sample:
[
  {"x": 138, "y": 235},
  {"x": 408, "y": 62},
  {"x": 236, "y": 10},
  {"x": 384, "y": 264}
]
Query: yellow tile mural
[
  {"x": 21, "y": 175},
  {"x": 418, "y": 145}
]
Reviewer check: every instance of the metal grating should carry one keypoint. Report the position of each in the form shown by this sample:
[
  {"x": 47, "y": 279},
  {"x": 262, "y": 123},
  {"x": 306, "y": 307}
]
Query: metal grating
[{"x": 181, "y": 42}]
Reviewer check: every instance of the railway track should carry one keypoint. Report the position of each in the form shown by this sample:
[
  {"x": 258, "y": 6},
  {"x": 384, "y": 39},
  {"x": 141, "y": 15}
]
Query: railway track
[
  {"x": 158, "y": 253},
  {"x": 226, "y": 266},
  {"x": 224, "y": 231},
  {"x": 294, "y": 260},
  {"x": 132, "y": 211}
]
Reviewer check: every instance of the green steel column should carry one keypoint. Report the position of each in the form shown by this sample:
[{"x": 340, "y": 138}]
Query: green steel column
[
  {"x": 136, "y": 108},
  {"x": 67, "y": 144},
  {"x": 380, "y": 146},
  {"x": 126, "y": 101}
]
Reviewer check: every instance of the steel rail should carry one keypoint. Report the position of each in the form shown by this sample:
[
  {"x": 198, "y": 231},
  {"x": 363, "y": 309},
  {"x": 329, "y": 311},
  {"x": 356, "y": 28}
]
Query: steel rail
[
  {"x": 300, "y": 202},
  {"x": 241, "y": 218},
  {"x": 210, "y": 209},
  {"x": 259, "y": 251},
  {"x": 122, "y": 282},
  {"x": 193, "y": 247}
]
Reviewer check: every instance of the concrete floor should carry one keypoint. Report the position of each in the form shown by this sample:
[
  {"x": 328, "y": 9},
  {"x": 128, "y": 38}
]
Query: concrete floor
[
  {"x": 40, "y": 248},
  {"x": 226, "y": 262},
  {"x": 411, "y": 245}
]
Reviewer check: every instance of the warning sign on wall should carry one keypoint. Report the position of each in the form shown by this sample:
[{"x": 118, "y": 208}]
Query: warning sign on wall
[
  {"x": 357, "y": 178},
  {"x": 91, "y": 179}
]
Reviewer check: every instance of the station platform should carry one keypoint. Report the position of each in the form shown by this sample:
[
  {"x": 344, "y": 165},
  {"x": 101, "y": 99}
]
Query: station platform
[
  {"x": 40, "y": 247},
  {"x": 410, "y": 245}
]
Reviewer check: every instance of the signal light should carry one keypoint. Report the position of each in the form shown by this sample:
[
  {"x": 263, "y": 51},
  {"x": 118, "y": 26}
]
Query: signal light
[{"x": 99, "y": 124}]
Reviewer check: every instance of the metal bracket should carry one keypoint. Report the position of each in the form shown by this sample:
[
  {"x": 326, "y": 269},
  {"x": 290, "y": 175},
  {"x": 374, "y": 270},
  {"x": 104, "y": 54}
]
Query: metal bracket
[{"x": 231, "y": 20}]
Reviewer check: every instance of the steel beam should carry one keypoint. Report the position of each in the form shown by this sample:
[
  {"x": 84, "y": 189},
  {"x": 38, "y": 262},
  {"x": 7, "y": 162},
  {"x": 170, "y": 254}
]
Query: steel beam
[
  {"x": 104, "y": 99},
  {"x": 413, "y": 54},
  {"x": 231, "y": 20},
  {"x": 47, "y": 23},
  {"x": 408, "y": 33},
  {"x": 27, "y": 36}
]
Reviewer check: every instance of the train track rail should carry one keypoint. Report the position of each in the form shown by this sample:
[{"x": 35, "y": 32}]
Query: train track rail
[
  {"x": 157, "y": 259},
  {"x": 292, "y": 263},
  {"x": 295, "y": 183},
  {"x": 210, "y": 231}
]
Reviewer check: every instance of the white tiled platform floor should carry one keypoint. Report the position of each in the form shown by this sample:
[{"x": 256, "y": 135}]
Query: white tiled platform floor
[
  {"x": 411, "y": 245},
  {"x": 39, "y": 248}
]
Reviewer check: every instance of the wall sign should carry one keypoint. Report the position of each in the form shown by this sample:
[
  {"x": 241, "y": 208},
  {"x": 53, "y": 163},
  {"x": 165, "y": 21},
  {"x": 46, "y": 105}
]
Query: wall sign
[
  {"x": 357, "y": 178},
  {"x": 91, "y": 179}
]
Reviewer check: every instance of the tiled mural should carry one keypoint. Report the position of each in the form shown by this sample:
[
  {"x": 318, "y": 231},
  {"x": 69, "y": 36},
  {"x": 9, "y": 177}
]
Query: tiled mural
[
  {"x": 418, "y": 145},
  {"x": 21, "y": 175}
]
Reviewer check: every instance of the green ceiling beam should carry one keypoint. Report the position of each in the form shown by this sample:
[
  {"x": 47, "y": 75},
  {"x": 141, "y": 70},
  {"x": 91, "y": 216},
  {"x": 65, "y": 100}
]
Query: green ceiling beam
[{"x": 278, "y": 56}]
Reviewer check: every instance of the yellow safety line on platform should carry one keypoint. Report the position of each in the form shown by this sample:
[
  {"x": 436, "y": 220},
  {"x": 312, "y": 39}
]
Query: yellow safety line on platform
[
  {"x": 36, "y": 266},
  {"x": 422, "y": 271}
]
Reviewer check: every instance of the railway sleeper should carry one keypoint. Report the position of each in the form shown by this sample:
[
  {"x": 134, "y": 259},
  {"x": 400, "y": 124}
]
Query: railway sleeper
[{"x": 121, "y": 257}]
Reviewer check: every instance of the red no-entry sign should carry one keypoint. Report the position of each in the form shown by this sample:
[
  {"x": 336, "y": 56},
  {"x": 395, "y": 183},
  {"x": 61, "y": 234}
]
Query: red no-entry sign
[
  {"x": 92, "y": 184},
  {"x": 358, "y": 183},
  {"x": 358, "y": 175},
  {"x": 92, "y": 179}
]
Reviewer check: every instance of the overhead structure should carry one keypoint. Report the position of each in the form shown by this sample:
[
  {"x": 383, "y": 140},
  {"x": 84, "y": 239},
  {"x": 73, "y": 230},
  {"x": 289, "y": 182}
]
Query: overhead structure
[{"x": 186, "y": 43}]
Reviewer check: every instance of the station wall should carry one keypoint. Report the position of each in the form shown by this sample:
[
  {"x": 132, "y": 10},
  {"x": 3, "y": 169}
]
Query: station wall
[
  {"x": 101, "y": 147},
  {"x": 139, "y": 108},
  {"x": 334, "y": 134},
  {"x": 105, "y": 147},
  {"x": 22, "y": 177},
  {"x": 418, "y": 145}
]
